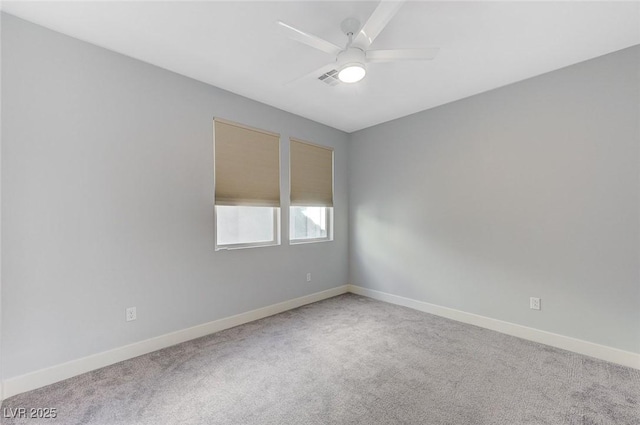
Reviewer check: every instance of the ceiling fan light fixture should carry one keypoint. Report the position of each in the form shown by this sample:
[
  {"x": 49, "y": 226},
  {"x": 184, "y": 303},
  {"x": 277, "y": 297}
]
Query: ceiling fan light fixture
[{"x": 352, "y": 73}]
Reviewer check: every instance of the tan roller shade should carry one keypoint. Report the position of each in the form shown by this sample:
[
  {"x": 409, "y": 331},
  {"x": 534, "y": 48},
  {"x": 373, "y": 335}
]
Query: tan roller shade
[
  {"x": 311, "y": 174},
  {"x": 247, "y": 165}
]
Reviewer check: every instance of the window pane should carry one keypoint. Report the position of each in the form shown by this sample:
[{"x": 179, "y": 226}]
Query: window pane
[
  {"x": 243, "y": 225},
  {"x": 308, "y": 222}
]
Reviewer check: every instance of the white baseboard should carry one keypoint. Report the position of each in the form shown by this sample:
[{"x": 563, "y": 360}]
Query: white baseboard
[
  {"x": 575, "y": 345},
  {"x": 50, "y": 375}
]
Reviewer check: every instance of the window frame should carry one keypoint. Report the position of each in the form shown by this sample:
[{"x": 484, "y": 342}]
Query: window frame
[
  {"x": 330, "y": 208},
  {"x": 277, "y": 222}
]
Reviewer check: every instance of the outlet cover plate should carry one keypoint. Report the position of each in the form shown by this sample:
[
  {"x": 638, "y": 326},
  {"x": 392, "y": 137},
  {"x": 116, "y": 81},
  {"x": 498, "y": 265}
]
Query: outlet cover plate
[
  {"x": 130, "y": 314},
  {"x": 534, "y": 303}
]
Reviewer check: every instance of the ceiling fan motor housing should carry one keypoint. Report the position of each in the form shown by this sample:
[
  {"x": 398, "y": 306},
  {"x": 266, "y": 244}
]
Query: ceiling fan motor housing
[{"x": 351, "y": 55}]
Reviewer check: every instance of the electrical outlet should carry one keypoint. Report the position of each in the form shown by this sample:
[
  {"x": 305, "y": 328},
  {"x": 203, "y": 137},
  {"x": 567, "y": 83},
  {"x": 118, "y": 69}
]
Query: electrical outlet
[
  {"x": 130, "y": 314},
  {"x": 308, "y": 277},
  {"x": 534, "y": 303}
]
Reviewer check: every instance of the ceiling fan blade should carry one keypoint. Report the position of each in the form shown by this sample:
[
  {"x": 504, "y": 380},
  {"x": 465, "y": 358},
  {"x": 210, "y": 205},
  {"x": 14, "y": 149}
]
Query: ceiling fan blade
[
  {"x": 313, "y": 74},
  {"x": 377, "y": 21},
  {"x": 401, "y": 55},
  {"x": 309, "y": 39}
]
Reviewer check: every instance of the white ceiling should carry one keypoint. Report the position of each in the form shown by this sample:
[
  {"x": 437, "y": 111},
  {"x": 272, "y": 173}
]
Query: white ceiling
[{"x": 238, "y": 47}]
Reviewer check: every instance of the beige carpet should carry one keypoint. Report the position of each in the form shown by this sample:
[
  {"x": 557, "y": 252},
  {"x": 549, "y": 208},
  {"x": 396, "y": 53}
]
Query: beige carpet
[{"x": 348, "y": 360}]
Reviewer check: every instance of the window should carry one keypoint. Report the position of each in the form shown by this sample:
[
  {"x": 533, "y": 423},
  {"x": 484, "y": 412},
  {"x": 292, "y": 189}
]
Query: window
[
  {"x": 239, "y": 226},
  {"x": 311, "y": 211},
  {"x": 247, "y": 186},
  {"x": 310, "y": 223}
]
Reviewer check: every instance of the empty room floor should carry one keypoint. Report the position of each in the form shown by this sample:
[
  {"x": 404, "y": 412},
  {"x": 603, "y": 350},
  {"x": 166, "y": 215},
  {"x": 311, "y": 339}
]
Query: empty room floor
[{"x": 348, "y": 360}]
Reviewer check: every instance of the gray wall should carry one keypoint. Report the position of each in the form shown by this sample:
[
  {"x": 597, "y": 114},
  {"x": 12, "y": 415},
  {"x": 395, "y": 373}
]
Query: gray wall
[
  {"x": 107, "y": 187},
  {"x": 527, "y": 190}
]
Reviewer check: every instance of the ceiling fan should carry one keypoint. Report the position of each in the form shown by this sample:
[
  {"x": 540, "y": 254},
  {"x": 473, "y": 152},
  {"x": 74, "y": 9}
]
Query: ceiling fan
[{"x": 350, "y": 62}]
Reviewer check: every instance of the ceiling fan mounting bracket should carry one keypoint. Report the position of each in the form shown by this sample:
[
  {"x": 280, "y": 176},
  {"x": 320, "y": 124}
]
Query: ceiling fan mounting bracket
[{"x": 350, "y": 26}]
